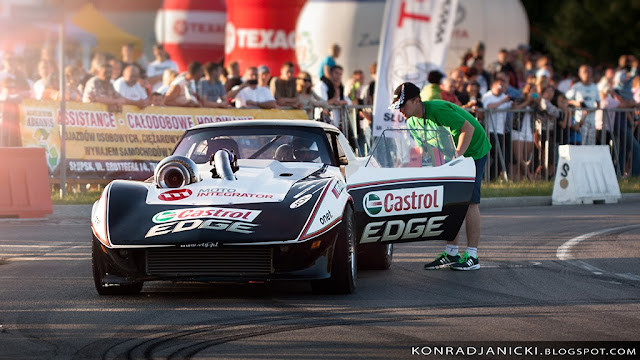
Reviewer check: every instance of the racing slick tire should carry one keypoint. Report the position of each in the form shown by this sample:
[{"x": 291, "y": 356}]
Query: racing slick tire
[
  {"x": 344, "y": 265},
  {"x": 376, "y": 257},
  {"x": 101, "y": 268}
]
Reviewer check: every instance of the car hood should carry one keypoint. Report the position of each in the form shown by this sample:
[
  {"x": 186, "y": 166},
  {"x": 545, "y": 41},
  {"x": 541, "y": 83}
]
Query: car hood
[{"x": 257, "y": 181}]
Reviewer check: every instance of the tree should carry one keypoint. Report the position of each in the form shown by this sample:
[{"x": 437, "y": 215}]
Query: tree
[{"x": 584, "y": 31}]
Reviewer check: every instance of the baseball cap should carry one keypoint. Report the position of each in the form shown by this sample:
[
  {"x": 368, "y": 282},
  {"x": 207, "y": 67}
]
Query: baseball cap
[
  {"x": 263, "y": 69},
  {"x": 404, "y": 92}
]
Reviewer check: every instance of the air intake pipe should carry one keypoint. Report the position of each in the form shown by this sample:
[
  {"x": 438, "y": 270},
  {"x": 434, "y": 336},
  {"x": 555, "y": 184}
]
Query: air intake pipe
[{"x": 225, "y": 163}]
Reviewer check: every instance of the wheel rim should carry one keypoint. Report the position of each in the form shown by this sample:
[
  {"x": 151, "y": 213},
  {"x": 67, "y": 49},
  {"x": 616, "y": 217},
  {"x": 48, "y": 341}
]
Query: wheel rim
[
  {"x": 389, "y": 250},
  {"x": 352, "y": 263}
]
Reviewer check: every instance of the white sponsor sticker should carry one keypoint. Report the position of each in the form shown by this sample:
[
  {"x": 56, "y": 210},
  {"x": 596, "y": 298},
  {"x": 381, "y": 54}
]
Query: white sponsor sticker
[
  {"x": 217, "y": 192},
  {"x": 303, "y": 200},
  {"x": 403, "y": 201},
  {"x": 206, "y": 213}
]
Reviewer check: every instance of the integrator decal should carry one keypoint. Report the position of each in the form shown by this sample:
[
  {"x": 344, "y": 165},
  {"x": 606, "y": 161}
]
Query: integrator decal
[{"x": 403, "y": 201}]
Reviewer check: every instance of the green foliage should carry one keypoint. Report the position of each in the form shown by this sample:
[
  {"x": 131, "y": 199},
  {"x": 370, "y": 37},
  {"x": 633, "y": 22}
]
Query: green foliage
[
  {"x": 543, "y": 188},
  {"x": 75, "y": 198},
  {"x": 584, "y": 31}
]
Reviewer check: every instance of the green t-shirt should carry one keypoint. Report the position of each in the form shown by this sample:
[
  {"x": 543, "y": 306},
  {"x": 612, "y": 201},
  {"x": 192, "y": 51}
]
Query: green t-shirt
[{"x": 444, "y": 113}]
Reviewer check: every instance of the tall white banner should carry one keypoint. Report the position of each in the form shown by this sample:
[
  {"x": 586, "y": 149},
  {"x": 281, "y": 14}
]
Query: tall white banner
[{"x": 414, "y": 40}]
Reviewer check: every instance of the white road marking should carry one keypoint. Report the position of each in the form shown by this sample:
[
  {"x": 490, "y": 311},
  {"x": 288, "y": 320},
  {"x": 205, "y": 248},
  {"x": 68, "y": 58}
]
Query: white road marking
[
  {"x": 564, "y": 252},
  {"x": 47, "y": 258}
]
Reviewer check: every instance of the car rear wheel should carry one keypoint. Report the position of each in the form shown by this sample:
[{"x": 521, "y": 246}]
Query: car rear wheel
[
  {"x": 101, "y": 268},
  {"x": 376, "y": 257},
  {"x": 344, "y": 265}
]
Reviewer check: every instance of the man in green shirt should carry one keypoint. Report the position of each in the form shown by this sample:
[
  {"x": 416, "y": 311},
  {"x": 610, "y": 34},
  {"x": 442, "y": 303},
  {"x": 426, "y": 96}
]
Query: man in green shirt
[{"x": 471, "y": 141}]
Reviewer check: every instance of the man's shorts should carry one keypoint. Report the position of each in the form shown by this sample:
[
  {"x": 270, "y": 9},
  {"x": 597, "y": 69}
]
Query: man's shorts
[{"x": 480, "y": 163}]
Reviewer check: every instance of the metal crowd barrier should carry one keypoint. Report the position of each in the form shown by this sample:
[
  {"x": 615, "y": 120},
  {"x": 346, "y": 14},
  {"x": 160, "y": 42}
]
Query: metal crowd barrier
[
  {"x": 523, "y": 148},
  {"x": 511, "y": 159}
]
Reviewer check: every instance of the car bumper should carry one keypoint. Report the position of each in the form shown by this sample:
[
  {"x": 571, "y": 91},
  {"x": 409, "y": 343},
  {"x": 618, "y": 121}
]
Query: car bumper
[{"x": 309, "y": 260}]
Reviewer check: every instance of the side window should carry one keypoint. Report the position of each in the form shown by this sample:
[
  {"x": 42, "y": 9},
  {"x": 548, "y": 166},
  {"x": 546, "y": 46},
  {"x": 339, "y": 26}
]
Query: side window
[
  {"x": 336, "y": 149},
  {"x": 339, "y": 147},
  {"x": 198, "y": 152}
]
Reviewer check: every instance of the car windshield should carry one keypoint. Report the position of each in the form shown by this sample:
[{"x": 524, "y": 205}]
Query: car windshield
[
  {"x": 400, "y": 148},
  {"x": 285, "y": 144}
]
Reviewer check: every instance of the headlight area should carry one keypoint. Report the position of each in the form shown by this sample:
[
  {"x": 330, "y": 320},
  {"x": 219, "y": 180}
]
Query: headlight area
[
  {"x": 99, "y": 218},
  {"x": 123, "y": 262},
  {"x": 307, "y": 259}
]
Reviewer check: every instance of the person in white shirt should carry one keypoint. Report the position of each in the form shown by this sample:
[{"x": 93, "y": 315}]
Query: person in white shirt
[
  {"x": 129, "y": 88},
  {"x": 496, "y": 99},
  {"x": 257, "y": 93},
  {"x": 156, "y": 68},
  {"x": 183, "y": 91},
  {"x": 331, "y": 90},
  {"x": 46, "y": 70},
  {"x": 585, "y": 95}
]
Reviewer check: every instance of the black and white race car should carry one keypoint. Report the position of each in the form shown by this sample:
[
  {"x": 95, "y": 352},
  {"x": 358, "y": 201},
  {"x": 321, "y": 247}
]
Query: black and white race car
[{"x": 258, "y": 201}]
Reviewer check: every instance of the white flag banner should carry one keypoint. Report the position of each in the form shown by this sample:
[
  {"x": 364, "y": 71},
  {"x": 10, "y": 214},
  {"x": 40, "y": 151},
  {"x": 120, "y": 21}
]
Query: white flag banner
[{"x": 414, "y": 40}]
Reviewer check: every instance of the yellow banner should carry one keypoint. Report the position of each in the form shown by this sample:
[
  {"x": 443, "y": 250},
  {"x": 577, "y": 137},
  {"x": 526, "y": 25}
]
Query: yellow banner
[{"x": 94, "y": 133}]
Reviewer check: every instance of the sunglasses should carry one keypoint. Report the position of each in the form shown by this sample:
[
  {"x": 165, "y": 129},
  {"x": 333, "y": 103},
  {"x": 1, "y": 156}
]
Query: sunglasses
[{"x": 305, "y": 79}]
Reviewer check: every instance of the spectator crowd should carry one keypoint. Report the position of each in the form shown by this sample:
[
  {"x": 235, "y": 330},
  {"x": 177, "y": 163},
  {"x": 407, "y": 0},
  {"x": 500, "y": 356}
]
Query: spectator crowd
[{"x": 526, "y": 107}]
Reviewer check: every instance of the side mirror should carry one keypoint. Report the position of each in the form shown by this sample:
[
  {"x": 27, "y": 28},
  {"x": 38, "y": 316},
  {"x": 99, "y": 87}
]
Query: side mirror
[{"x": 342, "y": 160}]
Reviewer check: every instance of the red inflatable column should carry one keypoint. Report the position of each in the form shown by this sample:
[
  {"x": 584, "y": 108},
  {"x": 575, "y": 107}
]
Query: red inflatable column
[
  {"x": 261, "y": 32},
  {"x": 192, "y": 30}
]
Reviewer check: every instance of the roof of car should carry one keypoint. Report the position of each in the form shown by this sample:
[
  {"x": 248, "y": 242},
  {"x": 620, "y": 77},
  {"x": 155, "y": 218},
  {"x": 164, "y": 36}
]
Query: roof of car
[{"x": 269, "y": 122}]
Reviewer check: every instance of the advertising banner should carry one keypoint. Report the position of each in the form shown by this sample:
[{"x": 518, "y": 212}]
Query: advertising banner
[
  {"x": 125, "y": 145},
  {"x": 414, "y": 41}
]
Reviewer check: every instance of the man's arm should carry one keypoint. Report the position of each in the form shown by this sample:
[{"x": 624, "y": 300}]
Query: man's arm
[
  {"x": 466, "y": 133},
  {"x": 284, "y": 101},
  {"x": 171, "y": 95},
  {"x": 498, "y": 103},
  {"x": 267, "y": 104}
]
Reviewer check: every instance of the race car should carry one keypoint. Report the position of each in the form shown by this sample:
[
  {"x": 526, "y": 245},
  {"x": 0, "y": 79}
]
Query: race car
[{"x": 269, "y": 200}]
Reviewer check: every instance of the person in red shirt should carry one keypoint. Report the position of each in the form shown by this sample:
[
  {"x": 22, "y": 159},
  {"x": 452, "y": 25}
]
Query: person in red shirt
[{"x": 448, "y": 88}]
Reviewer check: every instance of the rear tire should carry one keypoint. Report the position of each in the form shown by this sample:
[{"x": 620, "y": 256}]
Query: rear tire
[
  {"x": 101, "y": 268},
  {"x": 344, "y": 265},
  {"x": 376, "y": 257}
]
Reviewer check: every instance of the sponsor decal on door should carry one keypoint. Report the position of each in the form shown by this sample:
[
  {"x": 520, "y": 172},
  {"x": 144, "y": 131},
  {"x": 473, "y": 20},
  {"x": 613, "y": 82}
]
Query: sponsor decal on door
[{"x": 404, "y": 201}]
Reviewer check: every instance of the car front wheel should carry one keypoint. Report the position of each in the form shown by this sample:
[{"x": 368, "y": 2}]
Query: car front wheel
[
  {"x": 344, "y": 265},
  {"x": 101, "y": 269}
]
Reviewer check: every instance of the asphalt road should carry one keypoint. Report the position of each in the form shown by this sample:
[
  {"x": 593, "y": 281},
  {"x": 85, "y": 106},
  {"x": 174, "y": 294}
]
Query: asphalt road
[{"x": 548, "y": 274}]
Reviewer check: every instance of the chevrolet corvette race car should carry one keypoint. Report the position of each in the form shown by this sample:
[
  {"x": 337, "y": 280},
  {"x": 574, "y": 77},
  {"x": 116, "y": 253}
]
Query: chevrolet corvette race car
[{"x": 259, "y": 201}]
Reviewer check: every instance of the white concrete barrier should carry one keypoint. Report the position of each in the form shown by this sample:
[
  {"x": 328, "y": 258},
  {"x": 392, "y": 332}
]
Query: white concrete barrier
[{"x": 585, "y": 175}]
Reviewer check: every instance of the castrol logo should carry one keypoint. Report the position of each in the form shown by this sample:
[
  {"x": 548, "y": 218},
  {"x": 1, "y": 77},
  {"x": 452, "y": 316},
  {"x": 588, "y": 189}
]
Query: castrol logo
[
  {"x": 250, "y": 38},
  {"x": 404, "y": 201},
  {"x": 206, "y": 213}
]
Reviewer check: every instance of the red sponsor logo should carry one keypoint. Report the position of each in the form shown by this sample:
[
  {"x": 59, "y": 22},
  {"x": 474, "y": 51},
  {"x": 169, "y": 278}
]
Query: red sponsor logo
[
  {"x": 173, "y": 195},
  {"x": 182, "y": 27}
]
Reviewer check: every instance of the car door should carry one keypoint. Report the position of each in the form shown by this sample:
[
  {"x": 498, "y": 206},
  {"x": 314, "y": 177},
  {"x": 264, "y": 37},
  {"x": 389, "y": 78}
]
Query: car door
[{"x": 411, "y": 188}]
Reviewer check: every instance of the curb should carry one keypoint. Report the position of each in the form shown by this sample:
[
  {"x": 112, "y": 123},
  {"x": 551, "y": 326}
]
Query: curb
[{"x": 509, "y": 202}]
